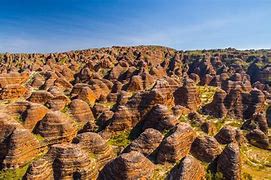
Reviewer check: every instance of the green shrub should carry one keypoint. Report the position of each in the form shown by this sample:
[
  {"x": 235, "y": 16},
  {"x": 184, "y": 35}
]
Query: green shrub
[
  {"x": 120, "y": 140},
  {"x": 39, "y": 137},
  {"x": 214, "y": 176},
  {"x": 13, "y": 174},
  {"x": 247, "y": 176}
]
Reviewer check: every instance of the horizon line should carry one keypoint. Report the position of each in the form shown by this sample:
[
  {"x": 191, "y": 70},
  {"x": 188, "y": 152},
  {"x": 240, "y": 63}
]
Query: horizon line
[{"x": 152, "y": 45}]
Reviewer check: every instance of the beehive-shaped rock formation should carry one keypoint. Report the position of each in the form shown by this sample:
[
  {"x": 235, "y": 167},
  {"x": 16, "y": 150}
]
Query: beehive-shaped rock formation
[
  {"x": 146, "y": 143},
  {"x": 229, "y": 162},
  {"x": 188, "y": 168},
  {"x": 187, "y": 95},
  {"x": 177, "y": 145},
  {"x": 94, "y": 143},
  {"x": 132, "y": 165},
  {"x": 55, "y": 127}
]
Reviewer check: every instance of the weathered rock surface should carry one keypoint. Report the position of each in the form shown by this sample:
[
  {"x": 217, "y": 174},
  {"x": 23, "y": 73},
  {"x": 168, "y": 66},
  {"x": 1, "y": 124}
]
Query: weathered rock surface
[
  {"x": 228, "y": 135},
  {"x": 12, "y": 78},
  {"x": 55, "y": 127},
  {"x": 258, "y": 121},
  {"x": 205, "y": 148},
  {"x": 187, "y": 95},
  {"x": 132, "y": 165},
  {"x": 217, "y": 107},
  {"x": 34, "y": 114},
  {"x": 41, "y": 169},
  {"x": 63, "y": 161},
  {"x": 146, "y": 143},
  {"x": 258, "y": 138},
  {"x": 57, "y": 103},
  {"x": 18, "y": 145},
  {"x": 188, "y": 168},
  {"x": 229, "y": 162},
  {"x": 177, "y": 145},
  {"x": 81, "y": 111},
  {"x": 41, "y": 97},
  {"x": 160, "y": 118},
  {"x": 12, "y": 91},
  {"x": 70, "y": 161},
  {"x": 94, "y": 143}
]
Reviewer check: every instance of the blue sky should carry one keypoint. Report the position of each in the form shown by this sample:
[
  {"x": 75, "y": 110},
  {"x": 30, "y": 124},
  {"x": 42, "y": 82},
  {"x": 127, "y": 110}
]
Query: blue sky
[{"x": 62, "y": 25}]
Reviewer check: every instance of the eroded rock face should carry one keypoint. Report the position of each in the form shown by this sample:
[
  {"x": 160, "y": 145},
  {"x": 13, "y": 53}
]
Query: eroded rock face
[
  {"x": 132, "y": 165},
  {"x": 94, "y": 143},
  {"x": 63, "y": 161},
  {"x": 256, "y": 104},
  {"x": 81, "y": 111},
  {"x": 205, "y": 148},
  {"x": 12, "y": 91},
  {"x": 33, "y": 115},
  {"x": 58, "y": 103},
  {"x": 15, "y": 150},
  {"x": 40, "y": 97},
  {"x": 38, "y": 81},
  {"x": 187, "y": 95},
  {"x": 217, "y": 107},
  {"x": 160, "y": 118},
  {"x": 234, "y": 103},
  {"x": 177, "y": 145},
  {"x": 122, "y": 119},
  {"x": 227, "y": 135},
  {"x": 146, "y": 143},
  {"x": 55, "y": 127},
  {"x": 40, "y": 169},
  {"x": 258, "y": 138},
  {"x": 71, "y": 161},
  {"x": 12, "y": 78},
  {"x": 87, "y": 95},
  {"x": 136, "y": 84},
  {"x": 258, "y": 121},
  {"x": 229, "y": 162},
  {"x": 188, "y": 168}
]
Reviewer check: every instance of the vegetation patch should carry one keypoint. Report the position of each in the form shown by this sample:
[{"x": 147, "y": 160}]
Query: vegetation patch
[
  {"x": 161, "y": 171},
  {"x": 65, "y": 109},
  {"x": 107, "y": 104},
  {"x": 120, "y": 140},
  {"x": 14, "y": 174},
  {"x": 20, "y": 119},
  {"x": 214, "y": 176},
  {"x": 39, "y": 137},
  {"x": 256, "y": 162},
  {"x": 206, "y": 94}
]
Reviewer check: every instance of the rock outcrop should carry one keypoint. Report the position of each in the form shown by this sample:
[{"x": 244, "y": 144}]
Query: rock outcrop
[
  {"x": 55, "y": 127},
  {"x": 12, "y": 91},
  {"x": 160, "y": 118},
  {"x": 229, "y": 162},
  {"x": 217, "y": 107},
  {"x": 95, "y": 144},
  {"x": 132, "y": 165},
  {"x": 188, "y": 168},
  {"x": 187, "y": 95},
  {"x": 146, "y": 143},
  {"x": 228, "y": 135},
  {"x": 81, "y": 111},
  {"x": 177, "y": 145},
  {"x": 205, "y": 148},
  {"x": 18, "y": 146}
]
